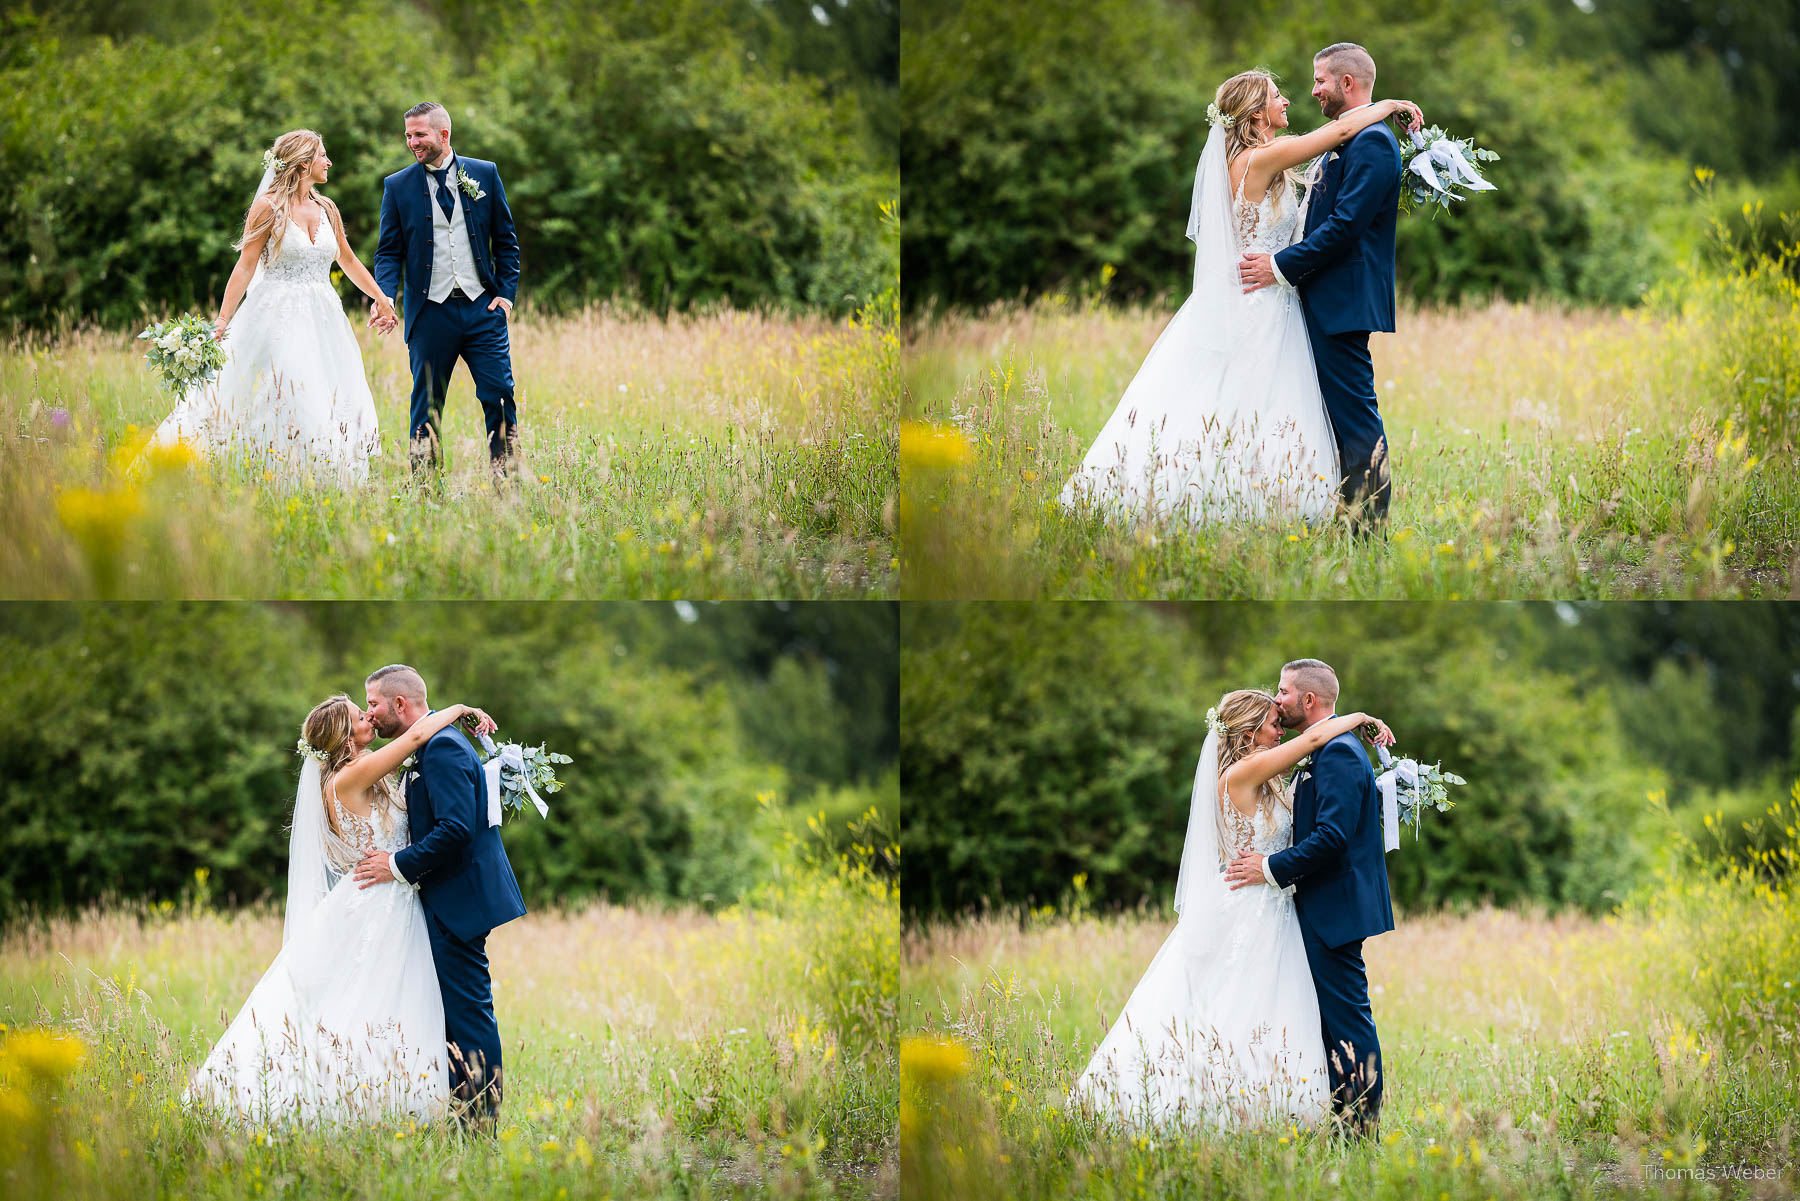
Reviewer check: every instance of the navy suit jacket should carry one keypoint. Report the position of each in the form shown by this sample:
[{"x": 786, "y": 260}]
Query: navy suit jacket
[
  {"x": 1344, "y": 267},
  {"x": 456, "y": 858},
  {"x": 1338, "y": 859},
  {"x": 405, "y": 247}
]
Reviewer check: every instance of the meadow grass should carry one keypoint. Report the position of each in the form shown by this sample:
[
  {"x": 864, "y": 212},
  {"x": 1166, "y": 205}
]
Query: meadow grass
[
  {"x": 1526, "y": 1055},
  {"x": 719, "y": 455},
  {"x": 1537, "y": 452},
  {"x": 648, "y": 1054}
]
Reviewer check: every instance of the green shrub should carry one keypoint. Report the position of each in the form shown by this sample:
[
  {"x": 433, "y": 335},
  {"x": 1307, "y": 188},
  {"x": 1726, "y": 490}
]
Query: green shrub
[
  {"x": 647, "y": 153},
  {"x": 161, "y": 744},
  {"x": 1736, "y": 314},
  {"x": 1046, "y": 148},
  {"x": 1046, "y": 742},
  {"x": 1735, "y": 825},
  {"x": 845, "y": 906},
  {"x": 1730, "y": 928}
]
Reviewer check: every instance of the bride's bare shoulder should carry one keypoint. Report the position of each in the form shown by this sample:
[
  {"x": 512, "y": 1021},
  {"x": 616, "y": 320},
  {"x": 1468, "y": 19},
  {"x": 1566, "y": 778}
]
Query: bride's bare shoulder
[
  {"x": 358, "y": 800},
  {"x": 1236, "y": 782}
]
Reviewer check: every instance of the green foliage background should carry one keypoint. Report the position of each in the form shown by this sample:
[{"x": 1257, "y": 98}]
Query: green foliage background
[
  {"x": 158, "y": 740},
  {"x": 1043, "y": 143},
  {"x": 669, "y": 155},
  {"x": 1041, "y": 742}
]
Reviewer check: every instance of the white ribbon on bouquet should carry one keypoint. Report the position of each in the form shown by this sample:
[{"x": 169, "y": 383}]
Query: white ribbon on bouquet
[
  {"x": 1445, "y": 157},
  {"x": 1398, "y": 772},
  {"x": 510, "y": 755}
]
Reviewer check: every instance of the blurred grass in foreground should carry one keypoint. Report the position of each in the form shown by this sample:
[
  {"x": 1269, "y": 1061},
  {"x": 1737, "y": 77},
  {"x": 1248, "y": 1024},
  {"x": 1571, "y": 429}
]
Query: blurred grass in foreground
[
  {"x": 649, "y": 1054},
  {"x": 1527, "y": 1055},
  {"x": 1538, "y": 451},
  {"x": 724, "y": 454}
]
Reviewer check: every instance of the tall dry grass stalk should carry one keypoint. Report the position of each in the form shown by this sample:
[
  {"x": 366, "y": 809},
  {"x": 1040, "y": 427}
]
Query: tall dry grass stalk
[
  {"x": 723, "y": 454},
  {"x": 1527, "y": 1054},
  {"x": 649, "y": 1053},
  {"x": 1537, "y": 452}
]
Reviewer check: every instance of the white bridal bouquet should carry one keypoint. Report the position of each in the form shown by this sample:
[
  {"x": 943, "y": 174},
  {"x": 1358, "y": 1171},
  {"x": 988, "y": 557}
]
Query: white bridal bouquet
[
  {"x": 1407, "y": 787},
  {"x": 183, "y": 352},
  {"x": 1434, "y": 165},
  {"x": 515, "y": 773}
]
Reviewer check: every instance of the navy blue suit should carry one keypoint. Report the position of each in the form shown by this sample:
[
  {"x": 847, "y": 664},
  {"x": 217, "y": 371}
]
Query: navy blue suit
[
  {"x": 1344, "y": 271},
  {"x": 1339, "y": 866},
  {"x": 438, "y": 334},
  {"x": 467, "y": 888}
]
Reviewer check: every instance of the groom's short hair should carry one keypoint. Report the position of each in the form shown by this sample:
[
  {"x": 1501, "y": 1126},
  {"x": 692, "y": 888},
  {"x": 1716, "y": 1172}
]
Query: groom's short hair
[
  {"x": 1310, "y": 675},
  {"x": 397, "y": 679},
  {"x": 439, "y": 115},
  {"x": 1347, "y": 58}
]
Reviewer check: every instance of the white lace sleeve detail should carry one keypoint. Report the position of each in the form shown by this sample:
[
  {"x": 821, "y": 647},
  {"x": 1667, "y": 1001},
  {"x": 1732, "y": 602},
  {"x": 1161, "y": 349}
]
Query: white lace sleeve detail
[
  {"x": 1244, "y": 216},
  {"x": 1241, "y": 828}
]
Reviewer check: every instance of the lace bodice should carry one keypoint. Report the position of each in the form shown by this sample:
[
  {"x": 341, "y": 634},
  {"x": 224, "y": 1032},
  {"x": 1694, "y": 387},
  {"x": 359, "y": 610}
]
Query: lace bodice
[
  {"x": 303, "y": 261},
  {"x": 1264, "y": 835},
  {"x": 1270, "y": 224},
  {"x": 382, "y": 830}
]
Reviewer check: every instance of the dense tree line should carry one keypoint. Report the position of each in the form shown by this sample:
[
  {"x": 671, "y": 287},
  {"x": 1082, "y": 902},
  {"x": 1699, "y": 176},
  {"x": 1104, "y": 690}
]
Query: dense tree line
[
  {"x": 1044, "y": 145},
  {"x": 1042, "y": 742},
  {"x": 669, "y": 155},
  {"x": 153, "y": 741}
]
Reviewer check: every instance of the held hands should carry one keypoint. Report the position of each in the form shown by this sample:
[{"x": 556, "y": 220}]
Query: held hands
[
  {"x": 477, "y": 722},
  {"x": 1377, "y": 732},
  {"x": 1413, "y": 118},
  {"x": 382, "y": 318}
]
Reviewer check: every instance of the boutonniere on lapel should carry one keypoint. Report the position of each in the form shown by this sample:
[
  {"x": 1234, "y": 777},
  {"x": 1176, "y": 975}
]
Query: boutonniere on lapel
[
  {"x": 1299, "y": 772},
  {"x": 406, "y": 764},
  {"x": 469, "y": 187}
]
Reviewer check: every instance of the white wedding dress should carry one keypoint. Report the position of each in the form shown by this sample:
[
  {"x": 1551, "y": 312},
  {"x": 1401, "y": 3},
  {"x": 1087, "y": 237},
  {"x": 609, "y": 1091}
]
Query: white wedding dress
[
  {"x": 1223, "y": 1029},
  {"x": 292, "y": 397},
  {"x": 1224, "y": 421},
  {"x": 347, "y": 1024}
]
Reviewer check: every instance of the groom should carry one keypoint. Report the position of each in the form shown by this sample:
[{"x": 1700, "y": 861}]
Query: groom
[
  {"x": 446, "y": 229},
  {"x": 1344, "y": 271},
  {"x": 1338, "y": 864},
  {"x": 459, "y": 867}
]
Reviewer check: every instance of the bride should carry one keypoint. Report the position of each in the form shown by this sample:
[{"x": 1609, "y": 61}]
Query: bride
[
  {"x": 1223, "y": 1029},
  {"x": 291, "y": 397},
  {"x": 348, "y": 1022},
  {"x": 1224, "y": 421}
]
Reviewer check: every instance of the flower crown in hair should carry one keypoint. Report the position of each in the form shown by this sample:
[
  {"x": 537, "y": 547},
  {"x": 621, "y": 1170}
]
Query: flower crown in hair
[
  {"x": 1215, "y": 117},
  {"x": 306, "y": 748},
  {"x": 1214, "y": 724},
  {"x": 270, "y": 162}
]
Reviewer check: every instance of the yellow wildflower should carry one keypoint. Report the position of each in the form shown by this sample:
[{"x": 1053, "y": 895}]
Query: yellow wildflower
[
  {"x": 933, "y": 1061},
  {"x": 928, "y": 447}
]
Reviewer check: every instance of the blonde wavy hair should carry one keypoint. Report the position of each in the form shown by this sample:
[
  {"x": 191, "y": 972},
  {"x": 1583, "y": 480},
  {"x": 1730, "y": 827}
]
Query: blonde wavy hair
[
  {"x": 295, "y": 151},
  {"x": 329, "y": 729},
  {"x": 1243, "y": 98},
  {"x": 1243, "y": 713}
]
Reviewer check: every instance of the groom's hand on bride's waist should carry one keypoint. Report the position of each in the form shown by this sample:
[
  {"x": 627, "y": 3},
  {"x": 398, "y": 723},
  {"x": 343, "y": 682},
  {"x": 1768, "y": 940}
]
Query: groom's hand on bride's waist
[
  {"x": 1256, "y": 271},
  {"x": 1247, "y": 868},
  {"x": 377, "y": 867}
]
